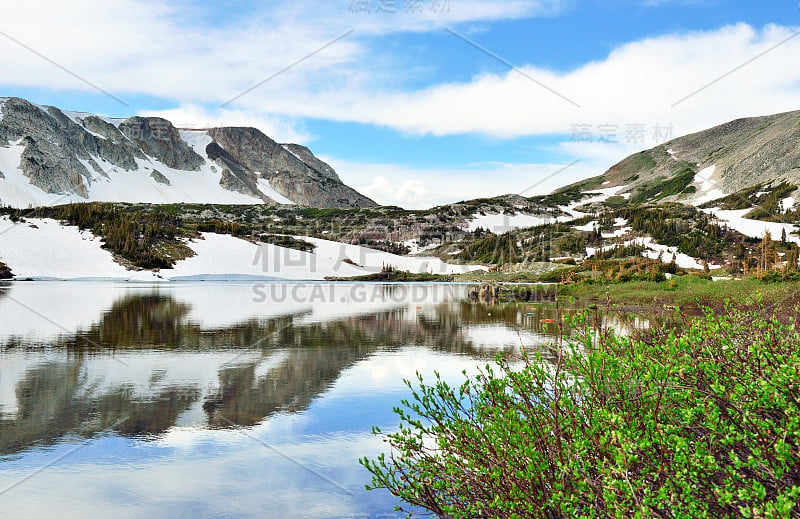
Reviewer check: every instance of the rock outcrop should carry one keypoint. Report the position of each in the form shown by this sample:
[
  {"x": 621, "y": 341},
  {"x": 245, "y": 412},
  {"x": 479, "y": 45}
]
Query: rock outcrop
[
  {"x": 55, "y": 145},
  {"x": 158, "y": 138},
  {"x": 299, "y": 176}
]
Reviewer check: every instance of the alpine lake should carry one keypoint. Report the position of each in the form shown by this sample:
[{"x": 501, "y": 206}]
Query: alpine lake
[{"x": 247, "y": 399}]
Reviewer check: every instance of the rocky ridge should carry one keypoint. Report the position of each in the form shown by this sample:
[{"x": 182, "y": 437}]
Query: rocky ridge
[{"x": 66, "y": 153}]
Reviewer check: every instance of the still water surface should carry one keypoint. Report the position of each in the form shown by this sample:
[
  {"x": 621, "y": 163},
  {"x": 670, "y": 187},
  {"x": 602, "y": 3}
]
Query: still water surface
[{"x": 222, "y": 399}]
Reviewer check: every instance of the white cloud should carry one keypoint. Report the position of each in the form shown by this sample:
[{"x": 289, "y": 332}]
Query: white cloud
[
  {"x": 144, "y": 48},
  {"x": 279, "y": 128},
  {"x": 640, "y": 82},
  {"x": 416, "y": 188},
  {"x": 407, "y": 193}
]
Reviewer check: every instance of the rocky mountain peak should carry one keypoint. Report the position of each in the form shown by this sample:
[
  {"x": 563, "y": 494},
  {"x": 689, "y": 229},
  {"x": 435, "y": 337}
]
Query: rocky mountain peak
[{"x": 78, "y": 156}]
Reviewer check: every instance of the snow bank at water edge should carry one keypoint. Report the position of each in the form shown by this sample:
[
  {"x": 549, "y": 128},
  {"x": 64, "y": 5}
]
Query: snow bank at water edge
[
  {"x": 45, "y": 249},
  {"x": 371, "y": 260}
]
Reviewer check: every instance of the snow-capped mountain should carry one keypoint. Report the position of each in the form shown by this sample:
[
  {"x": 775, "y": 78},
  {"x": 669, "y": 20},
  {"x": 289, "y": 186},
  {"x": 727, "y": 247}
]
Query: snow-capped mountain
[{"x": 49, "y": 156}]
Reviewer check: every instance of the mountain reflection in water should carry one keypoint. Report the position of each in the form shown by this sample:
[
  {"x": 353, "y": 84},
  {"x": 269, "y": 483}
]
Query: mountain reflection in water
[{"x": 153, "y": 360}]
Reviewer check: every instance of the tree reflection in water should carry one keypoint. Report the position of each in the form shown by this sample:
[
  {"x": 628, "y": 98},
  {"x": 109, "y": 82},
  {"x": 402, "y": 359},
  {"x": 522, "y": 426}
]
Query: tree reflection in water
[{"x": 60, "y": 394}]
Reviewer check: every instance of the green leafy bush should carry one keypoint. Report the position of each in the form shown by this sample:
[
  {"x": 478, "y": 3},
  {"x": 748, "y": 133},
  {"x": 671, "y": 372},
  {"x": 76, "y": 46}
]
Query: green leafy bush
[{"x": 703, "y": 423}]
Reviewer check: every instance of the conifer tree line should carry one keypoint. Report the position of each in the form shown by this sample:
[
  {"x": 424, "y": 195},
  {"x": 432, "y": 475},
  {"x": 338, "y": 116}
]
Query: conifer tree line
[
  {"x": 5, "y": 272},
  {"x": 149, "y": 236},
  {"x": 133, "y": 235}
]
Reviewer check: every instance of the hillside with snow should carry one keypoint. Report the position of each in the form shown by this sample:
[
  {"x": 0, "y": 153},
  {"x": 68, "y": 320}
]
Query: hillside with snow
[
  {"x": 44, "y": 249},
  {"x": 702, "y": 167}
]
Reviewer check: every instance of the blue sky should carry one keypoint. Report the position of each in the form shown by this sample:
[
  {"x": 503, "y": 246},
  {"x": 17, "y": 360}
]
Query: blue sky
[{"x": 418, "y": 108}]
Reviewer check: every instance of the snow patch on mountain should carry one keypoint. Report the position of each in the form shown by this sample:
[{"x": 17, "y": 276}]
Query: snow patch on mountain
[
  {"x": 735, "y": 219},
  {"x": 298, "y": 157},
  {"x": 77, "y": 117},
  {"x": 684, "y": 261},
  {"x": 705, "y": 183},
  {"x": 500, "y": 223},
  {"x": 600, "y": 196},
  {"x": 415, "y": 248},
  {"x": 115, "y": 184},
  {"x": 589, "y": 227},
  {"x": 654, "y": 250},
  {"x": 185, "y": 186},
  {"x": 198, "y": 140},
  {"x": 620, "y": 229},
  {"x": 265, "y": 187},
  {"x": 591, "y": 251}
]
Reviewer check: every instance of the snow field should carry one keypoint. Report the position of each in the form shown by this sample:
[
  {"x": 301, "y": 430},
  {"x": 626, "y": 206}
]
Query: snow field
[{"x": 45, "y": 249}]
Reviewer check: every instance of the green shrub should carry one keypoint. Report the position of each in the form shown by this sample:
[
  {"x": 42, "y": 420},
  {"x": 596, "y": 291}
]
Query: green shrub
[
  {"x": 703, "y": 423},
  {"x": 779, "y": 277}
]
